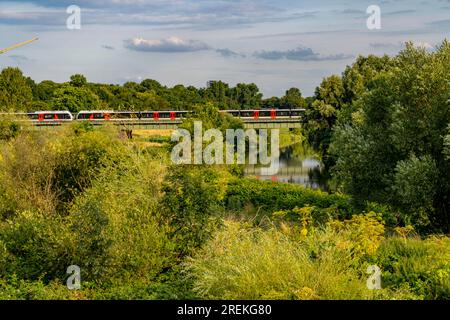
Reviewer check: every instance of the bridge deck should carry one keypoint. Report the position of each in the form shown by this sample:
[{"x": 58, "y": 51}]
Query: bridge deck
[{"x": 173, "y": 124}]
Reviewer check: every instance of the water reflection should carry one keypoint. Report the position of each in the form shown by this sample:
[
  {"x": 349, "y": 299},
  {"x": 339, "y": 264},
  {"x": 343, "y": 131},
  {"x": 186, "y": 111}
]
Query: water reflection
[{"x": 298, "y": 165}]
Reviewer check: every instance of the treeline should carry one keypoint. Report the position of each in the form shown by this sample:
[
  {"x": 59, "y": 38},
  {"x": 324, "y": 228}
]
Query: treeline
[{"x": 20, "y": 93}]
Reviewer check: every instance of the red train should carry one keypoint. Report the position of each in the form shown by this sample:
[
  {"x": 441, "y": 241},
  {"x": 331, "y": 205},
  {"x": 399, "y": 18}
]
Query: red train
[{"x": 116, "y": 116}]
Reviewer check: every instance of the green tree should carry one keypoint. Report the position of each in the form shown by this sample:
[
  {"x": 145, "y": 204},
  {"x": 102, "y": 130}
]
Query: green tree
[
  {"x": 322, "y": 114},
  {"x": 75, "y": 99},
  {"x": 150, "y": 84},
  {"x": 357, "y": 77},
  {"x": 246, "y": 96},
  {"x": 78, "y": 80},
  {"x": 218, "y": 92},
  {"x": 293, "y": 99},
  {"x": 271, "y": 103},
  {"x": 393, "y": 149},
  {"x": 15, "y": 90}
]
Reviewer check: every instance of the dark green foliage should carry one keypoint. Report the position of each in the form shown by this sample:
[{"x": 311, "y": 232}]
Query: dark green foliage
[
  {"x": 322, "y": 114},
  {"x": 390, "y": 148},
  {"x": 84, "y": 155},
  {"x": 211, "y": 118},
  {"x": 37, "y": 246},
  {"x": 422, "y": 264},
  {"x": 268, "y": 197},
  {"x": 75, "y": 99},
  {"x": 9, "y": 129},
  {"x": 15, "y": 90},
  {"x": 192, "y": 202}
]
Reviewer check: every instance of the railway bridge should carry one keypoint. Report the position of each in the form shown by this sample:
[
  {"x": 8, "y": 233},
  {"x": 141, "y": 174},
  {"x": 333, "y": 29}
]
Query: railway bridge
[{"x": 252, "y": 119}]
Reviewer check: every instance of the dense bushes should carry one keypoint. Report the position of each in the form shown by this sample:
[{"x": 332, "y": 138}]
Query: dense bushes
[
  {"x": 142, "y": 230},
  {"x": 116, "y": 226},
  {"x": 36, "y": 246},
  {"x": 327, "y": 262},
  {"x": 9, "y": 129},
  {"x": 423, "y": 264},
  {"x": 243, "y": 262},
  {"x": 51, "y": 168},
  {"x": 81, "y": 197},
  {"x": 267, "y": 197},
  {"x": 193, "y": 202}
]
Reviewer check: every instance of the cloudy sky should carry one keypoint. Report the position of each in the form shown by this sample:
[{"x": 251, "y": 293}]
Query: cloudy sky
[{"x": 275, "y": 44}]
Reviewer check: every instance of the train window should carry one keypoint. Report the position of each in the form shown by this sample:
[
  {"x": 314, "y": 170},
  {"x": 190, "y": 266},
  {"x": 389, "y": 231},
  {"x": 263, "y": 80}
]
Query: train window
[
  {"x": 282, "y": 113},
  {"x": 164, "y": 115},
  {"x": 147, "y": 115},
  {"x": 179, "y": 114},
  {"x": 247, "y": 114}
]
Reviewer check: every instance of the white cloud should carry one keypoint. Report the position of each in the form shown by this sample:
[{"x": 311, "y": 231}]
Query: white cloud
[
  {"x": 172, "y": 44},
  {"x": 300, "y": 53}
]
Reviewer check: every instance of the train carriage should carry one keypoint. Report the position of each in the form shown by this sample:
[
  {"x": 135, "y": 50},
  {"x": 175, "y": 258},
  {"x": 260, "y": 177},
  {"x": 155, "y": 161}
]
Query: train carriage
[{"x": 49, "y": 116}]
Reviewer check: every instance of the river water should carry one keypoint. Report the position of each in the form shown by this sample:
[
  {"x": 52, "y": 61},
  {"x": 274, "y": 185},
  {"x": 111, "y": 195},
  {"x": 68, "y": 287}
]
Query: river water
[{"x": 298, "y": 165}]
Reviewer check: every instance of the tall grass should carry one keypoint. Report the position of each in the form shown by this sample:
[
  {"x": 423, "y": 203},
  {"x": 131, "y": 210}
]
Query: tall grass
[{"x": 248, "y": 263}]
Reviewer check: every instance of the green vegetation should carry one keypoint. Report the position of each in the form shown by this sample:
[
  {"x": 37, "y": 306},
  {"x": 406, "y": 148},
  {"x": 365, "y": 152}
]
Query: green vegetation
[
  {"x": 140, "y": 227},
  {"x": 19, "y": 93},
  {"x": 389, "y": 144}
]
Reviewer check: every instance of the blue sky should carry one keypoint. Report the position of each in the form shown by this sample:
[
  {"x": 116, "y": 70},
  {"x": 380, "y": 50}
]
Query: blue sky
[{"x": 275, "y": 44}]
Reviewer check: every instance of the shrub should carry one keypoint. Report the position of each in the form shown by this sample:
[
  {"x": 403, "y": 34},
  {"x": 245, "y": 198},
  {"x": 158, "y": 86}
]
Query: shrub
[
  {"x": 35, "y": 246},
  {"x": 49, "y": 169},
  {"x": 364, "y": 233},
  {"x": 82, "y": 155},
  {"x": 249, "y": 263},
  {"x": 269, "y": 197},
  {"x": 423, "y": 265},
  {"x": 19, "y": 289},
  {"x": 192, "y": 202},
  {"x": 116, "y": 224},
  {"x": 26, "y": 169},
  {"x": 9, "y": 129}
]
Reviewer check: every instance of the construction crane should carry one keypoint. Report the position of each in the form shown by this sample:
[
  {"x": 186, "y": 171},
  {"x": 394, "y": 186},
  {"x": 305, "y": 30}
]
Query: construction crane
[{"x": 18, "y": 45}]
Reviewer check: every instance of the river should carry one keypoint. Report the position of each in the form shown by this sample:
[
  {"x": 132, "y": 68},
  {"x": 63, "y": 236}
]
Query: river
[{"x": 298, "y": 165}]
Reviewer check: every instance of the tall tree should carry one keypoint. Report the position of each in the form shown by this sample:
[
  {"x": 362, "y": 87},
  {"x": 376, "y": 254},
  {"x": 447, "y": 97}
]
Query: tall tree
[
  {"x": 322, "y": 114},
  {"x": 15, "y": 90},
  {"x": 293, "y": 99},
  {"x": 246, "y": 96},
  {"x": 393, "y": 150},
  {"x": 75, "y": 99}
]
